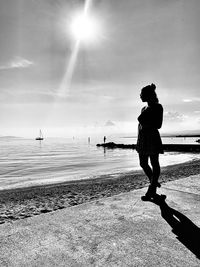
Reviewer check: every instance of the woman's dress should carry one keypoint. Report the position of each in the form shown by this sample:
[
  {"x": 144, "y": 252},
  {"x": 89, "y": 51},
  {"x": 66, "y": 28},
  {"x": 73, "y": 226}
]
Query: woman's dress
[{"x": 150, "y": 120}]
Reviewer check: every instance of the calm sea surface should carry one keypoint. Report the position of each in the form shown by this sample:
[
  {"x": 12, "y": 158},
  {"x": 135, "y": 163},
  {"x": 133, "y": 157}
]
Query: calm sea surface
[{"x": 27, "y": 162}]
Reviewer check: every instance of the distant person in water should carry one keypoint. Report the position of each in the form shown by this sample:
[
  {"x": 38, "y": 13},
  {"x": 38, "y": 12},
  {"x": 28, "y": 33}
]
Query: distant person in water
[
  {"x": 104, "y": 139},
  {"x": 149, "y": 144}
]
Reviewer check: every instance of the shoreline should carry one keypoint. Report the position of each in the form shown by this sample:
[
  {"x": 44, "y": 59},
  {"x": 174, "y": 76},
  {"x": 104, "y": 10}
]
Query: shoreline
[
  {"x": 92, "y": 179},
  {"x": 25, "y": 202}
]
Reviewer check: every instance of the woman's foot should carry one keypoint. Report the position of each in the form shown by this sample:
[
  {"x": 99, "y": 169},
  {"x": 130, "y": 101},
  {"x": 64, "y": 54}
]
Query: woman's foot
[
  {"x": 145, "y": 198},
  {"x": 158, "y": 185},
  {"x": 155, "y": 197},
  {"x": 151, "y": 192}
]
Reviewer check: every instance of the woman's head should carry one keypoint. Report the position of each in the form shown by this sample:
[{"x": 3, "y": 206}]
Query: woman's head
[{"x": 148, "y": 94}]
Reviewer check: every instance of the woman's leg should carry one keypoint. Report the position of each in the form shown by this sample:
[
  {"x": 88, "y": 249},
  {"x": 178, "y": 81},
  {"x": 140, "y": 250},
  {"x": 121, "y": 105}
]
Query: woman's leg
[
  {"x": 155, "y": 173},
  {"x": 145, "y": 166},
  {"x": 149, "y": 173},
  {"x": 155, "y": 169}
]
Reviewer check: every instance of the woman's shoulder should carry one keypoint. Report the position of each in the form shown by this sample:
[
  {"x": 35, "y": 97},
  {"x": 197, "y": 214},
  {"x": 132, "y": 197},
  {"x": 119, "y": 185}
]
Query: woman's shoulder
[{"x": 158, "y": 106}]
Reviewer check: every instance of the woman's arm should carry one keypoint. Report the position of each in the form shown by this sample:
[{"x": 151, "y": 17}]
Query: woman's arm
[{"x": 159, "y": 117}]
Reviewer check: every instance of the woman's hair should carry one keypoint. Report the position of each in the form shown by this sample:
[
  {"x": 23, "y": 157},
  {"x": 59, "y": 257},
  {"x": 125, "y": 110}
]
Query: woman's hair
[{"x": 149, "y": 92}]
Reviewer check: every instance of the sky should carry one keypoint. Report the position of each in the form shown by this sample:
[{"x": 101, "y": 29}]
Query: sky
[{"x": 138, "y": 42}]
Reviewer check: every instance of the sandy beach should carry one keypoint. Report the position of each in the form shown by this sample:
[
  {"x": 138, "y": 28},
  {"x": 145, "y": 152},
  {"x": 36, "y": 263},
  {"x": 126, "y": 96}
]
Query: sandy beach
[{"x": 21, "y": 203}]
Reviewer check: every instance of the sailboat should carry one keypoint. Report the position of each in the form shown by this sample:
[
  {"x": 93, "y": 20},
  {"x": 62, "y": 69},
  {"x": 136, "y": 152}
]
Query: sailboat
[{"x": 40, "y": 136}]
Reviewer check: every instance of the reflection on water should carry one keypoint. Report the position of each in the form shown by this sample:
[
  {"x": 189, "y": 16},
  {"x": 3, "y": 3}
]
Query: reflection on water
[{"x": 26, "y": 162}]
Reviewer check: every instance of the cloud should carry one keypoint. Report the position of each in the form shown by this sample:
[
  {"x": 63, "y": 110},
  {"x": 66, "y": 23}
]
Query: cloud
[
  {"x": 16, "y": 63},
  {"x": 109, "y": 123},
  {"x": 174, "y": 116},
  {"x": 187, "y": 100},
  {"x": 192, "y": 99}
]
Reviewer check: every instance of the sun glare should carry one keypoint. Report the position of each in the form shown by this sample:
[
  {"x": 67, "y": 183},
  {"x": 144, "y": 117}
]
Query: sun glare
[{"x": 84, "y": 28}]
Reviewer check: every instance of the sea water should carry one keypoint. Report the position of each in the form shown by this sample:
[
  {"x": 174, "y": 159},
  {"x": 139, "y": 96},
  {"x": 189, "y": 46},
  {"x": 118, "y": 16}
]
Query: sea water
[{"x": 27, "y": 162}]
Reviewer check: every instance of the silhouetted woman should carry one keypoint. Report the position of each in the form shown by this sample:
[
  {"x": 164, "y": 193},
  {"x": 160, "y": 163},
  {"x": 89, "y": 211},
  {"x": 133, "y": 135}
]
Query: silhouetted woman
[{"x": 149, "y": 144}]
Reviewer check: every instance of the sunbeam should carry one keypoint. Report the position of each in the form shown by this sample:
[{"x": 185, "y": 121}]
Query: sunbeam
[
  {"x": 64, "y": 88},
  {"x": 83, "y": 29}
]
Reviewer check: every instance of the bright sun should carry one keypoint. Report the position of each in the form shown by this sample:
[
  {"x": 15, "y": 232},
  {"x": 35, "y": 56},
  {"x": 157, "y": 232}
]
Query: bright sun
[{"x": 84, "y": 28}]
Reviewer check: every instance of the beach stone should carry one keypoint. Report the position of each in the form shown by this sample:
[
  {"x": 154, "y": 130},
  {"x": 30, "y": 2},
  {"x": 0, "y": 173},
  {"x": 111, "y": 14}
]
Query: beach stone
[
  {"x": 22, "y": 216},
  {"x": 121, "y": 218},
  {"x": 80, "y": 200},
  {"x": 23, "y": 213},
  {"x": 61, "y": 207},
  {"x": 3, "y": 216},
  {"x": 28, "y": 215},
  {"x": 11, "y": 217},
  {"x": 8, "y": 212},
  {"x": 73, "y": 203},
  {"x": 71, "y": 196},
  {"x": 93, "y": 197},
  {"x": 45, "y": 210},
  {"x": 31, "y": 208},
  {"x": 99, "y": 203},
  {"x": 36, "y": 213}
]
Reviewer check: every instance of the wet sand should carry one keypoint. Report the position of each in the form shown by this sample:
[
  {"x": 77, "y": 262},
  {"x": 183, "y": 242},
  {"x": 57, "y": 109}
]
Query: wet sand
[{"x": 21, "y": 203}]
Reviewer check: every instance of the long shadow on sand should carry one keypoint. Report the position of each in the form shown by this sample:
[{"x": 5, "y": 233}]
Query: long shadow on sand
[{"x": 184, "y": 229}]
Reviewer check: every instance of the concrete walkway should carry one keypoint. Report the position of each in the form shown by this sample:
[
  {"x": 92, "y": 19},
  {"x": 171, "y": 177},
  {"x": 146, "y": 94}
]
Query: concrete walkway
[{"x": 116, "y": 231}]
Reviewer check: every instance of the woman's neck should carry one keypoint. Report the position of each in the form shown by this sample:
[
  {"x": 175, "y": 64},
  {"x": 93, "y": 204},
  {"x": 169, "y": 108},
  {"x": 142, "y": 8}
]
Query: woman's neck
[{"x": 150, "y": 103}]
